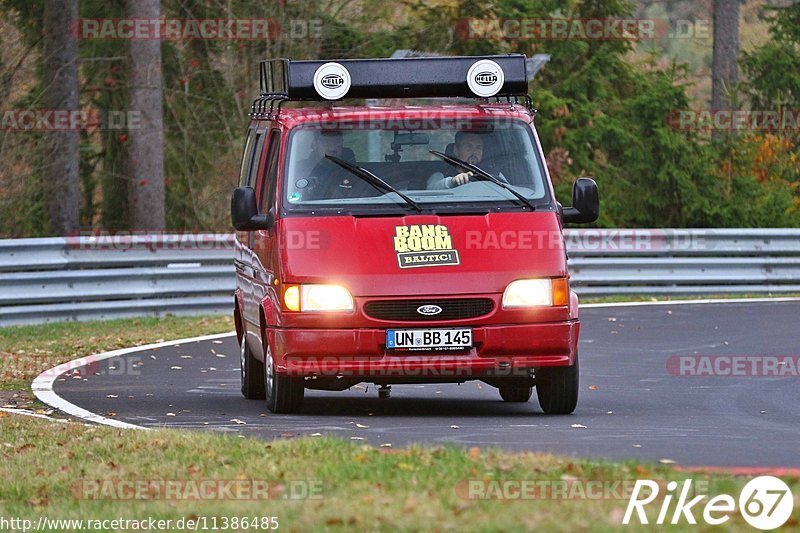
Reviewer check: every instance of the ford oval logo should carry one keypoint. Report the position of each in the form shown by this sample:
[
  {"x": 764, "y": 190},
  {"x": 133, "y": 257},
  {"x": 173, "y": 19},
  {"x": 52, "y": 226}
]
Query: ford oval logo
[
  {"x": 486, "y": 78},
  {"x": 429, "y": 310},
  {"x": 332, "y": 81}
]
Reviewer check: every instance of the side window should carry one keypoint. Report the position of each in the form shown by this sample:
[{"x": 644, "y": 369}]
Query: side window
[
  {"x": 247, "y": 157},
  {"x": 266, "y": 195},
  {"x": 256, "y": 163}
]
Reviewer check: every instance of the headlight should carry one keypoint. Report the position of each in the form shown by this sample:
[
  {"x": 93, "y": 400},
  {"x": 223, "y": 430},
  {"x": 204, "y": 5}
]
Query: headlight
[
  {"x": 536, "y": 293},
  {"x": 317, "y": 298}
]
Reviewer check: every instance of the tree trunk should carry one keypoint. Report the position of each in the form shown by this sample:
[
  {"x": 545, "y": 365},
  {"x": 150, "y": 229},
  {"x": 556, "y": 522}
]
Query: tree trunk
[
  {"x": 60, "y": 78},
  {"x": 724, "y": 70},
  {"x": 146, "y": 139}
]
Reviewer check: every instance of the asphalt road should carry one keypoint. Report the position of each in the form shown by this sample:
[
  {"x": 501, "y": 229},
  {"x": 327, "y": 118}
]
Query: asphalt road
[{"x": 631, "y": 405}]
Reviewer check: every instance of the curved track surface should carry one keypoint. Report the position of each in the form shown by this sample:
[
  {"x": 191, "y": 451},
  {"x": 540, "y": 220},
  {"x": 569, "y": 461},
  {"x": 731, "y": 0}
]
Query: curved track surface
[{"x": 631, "y": 405}]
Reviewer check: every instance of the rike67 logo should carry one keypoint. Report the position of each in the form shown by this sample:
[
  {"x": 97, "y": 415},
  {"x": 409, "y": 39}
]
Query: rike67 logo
[{"x": 765, "y": 503}]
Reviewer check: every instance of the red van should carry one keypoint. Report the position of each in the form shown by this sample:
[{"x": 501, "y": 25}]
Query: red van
[{"x": 411, "y": 243}]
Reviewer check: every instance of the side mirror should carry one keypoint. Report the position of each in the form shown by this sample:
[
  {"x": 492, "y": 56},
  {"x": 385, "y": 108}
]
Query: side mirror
[
  {"x": 244, "y": 211},
  {"x": 585, "y": 203}
]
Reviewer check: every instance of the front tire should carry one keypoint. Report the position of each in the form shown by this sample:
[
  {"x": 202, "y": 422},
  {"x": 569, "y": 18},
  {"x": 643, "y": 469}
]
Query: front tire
[
  {"x": 284, "y": 394},
  {"x": 557, "y": 389},
  {"x": 251, "y": 372}
]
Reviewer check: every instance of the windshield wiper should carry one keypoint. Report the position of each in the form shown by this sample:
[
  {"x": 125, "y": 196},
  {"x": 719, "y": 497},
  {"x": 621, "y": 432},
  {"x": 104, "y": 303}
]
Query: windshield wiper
[
  {"x": 485, "y": 176},
  {"x": 373, "y": 180}
]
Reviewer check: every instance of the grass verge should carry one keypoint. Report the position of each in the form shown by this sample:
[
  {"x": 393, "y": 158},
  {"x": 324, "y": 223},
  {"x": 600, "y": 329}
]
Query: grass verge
[{"x": 70, "y": 471}]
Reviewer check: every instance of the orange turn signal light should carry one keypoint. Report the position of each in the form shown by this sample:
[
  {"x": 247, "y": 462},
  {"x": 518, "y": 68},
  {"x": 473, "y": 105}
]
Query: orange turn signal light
[{"x": 560, "y": 291}]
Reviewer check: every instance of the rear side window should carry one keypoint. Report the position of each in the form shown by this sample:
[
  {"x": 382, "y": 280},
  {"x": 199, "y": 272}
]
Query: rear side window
[
  {"x": 255, "y": 164},
  {"x": 247, "y": 156},
  {"x": 267, "y": 193}
]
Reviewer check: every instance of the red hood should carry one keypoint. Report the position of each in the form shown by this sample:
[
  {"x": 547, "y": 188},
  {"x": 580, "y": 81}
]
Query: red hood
[{"x": 361, "y": 254}]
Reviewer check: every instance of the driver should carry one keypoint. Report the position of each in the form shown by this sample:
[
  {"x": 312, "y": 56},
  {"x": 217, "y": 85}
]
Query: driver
[
  {"x": 325, "y": 179},
  {"x": 469, "y": 148}
]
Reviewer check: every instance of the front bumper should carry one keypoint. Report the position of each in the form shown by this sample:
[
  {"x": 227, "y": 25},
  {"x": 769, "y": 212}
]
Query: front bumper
[{"x": 362, "y": 352}]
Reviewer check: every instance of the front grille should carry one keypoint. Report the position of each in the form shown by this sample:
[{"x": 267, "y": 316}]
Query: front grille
[{"x": 452, "y": 309}]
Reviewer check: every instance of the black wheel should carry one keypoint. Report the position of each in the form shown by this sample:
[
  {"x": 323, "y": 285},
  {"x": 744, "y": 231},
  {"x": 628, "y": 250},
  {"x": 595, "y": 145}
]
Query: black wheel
[
  {"x": 557, "y": 389},
  {"x": 252, "y": 371},
  {"x": 284, "y": 394},
  {"x": 516, "y": 394}
]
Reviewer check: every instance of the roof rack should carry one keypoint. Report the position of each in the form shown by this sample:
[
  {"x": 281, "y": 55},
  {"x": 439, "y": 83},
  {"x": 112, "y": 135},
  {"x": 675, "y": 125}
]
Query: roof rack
[{"x": 283, "y": 80}]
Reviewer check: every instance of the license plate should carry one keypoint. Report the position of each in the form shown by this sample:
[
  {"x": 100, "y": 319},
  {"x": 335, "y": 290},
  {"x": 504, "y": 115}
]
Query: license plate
[{"x": 428, "y": 339}]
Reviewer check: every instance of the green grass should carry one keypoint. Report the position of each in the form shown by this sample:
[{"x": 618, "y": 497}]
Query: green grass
[{"x": 44, "y": 464}]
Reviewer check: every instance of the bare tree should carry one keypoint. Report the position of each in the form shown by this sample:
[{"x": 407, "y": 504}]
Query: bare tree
[
  {"x": 724, "y": 69},
  {"x": 60, "y": 77},
  {"x": 146, "y": 153}
]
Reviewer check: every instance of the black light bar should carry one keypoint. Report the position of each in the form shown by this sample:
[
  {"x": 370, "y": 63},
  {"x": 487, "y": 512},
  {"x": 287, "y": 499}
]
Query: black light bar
[{"x": 422, "y": 77}]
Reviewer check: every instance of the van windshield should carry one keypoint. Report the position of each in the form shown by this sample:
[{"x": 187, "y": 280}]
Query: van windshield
[{"x": 424, "y": 164}]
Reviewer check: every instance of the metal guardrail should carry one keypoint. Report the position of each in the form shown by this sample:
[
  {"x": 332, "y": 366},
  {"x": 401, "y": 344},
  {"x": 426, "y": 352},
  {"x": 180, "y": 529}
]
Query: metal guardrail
[
  {"x": 118, "y": 276},
  {"x": 84, "y": 278},
  {"x": 684, "y": 262}
]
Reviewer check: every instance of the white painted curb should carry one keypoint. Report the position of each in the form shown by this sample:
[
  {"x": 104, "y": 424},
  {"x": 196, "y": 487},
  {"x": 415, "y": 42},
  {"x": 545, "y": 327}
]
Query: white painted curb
[{"x": 42, "y": 386}]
